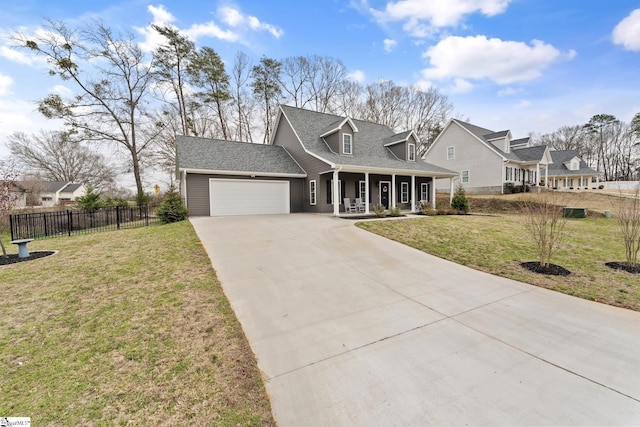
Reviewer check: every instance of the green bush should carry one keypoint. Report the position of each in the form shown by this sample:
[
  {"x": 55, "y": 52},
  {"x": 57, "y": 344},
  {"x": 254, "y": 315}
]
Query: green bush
[
  {"x": 459, "y": 201},
  {"x": 91, "y": 201},
  {"x": 509, "y": 188},
  {"x": 395, "y": 211},
  {"x": 111, "y": 202},
  {"x": 142, "y": 199},
  {"x": 379, "y": 211},
  {"x": 172, "y": 208}
]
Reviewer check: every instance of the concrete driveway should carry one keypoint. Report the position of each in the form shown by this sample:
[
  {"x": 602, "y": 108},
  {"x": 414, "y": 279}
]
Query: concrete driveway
[{"x": 351, "y": 329}]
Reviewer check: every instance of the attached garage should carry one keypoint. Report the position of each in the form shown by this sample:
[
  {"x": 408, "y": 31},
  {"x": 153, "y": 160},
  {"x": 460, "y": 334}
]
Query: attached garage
[
  {"x": 248, "y": 197},
  {"x": 219, "y": 178}
]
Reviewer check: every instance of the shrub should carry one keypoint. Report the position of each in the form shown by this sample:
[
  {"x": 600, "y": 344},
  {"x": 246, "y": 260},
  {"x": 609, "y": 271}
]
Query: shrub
[
  {"x": 172, "y": 208},
  {"x": 379, "y": 211},
  {"x": 142, "y": 199},
  {"x": 395, "y": 211},
  {"x": 459, "y": 201},
  {"x": 508, "y": 188},
  {"x": 116, "y": 202},
  {"x": 545, "y": 224},
  {"x": 91, "y": 201}
]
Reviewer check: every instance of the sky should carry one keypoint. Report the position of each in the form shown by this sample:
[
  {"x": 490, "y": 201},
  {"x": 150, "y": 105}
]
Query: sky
[{"x": 530, "y": 66}]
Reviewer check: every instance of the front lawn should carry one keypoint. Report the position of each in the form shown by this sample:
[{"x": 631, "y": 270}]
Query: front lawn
[
  {"x": 498, "y": 243},
  {"x": 127, "y": 327}
]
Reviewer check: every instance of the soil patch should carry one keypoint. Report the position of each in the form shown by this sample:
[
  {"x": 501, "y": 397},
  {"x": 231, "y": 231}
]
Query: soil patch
[
  {"x": 14, "y": 259},
  {"x": 633, "y": 269},
  {"x": 551, "y": 269}
]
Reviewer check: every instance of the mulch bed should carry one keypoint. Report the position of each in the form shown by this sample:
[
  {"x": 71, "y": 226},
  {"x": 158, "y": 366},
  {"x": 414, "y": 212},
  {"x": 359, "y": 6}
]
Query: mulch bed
[
  {"x": 359, "y": 217},
  {"x": 633, "y": 269},
  {"x": 551, "y": 269},
  {"x": 13, "y": 258}
]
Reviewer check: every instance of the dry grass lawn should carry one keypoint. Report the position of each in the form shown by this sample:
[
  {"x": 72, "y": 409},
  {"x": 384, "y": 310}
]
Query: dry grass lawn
[
  {"x": 125, "y": 328},
  {"x": 497, "y": 243}
]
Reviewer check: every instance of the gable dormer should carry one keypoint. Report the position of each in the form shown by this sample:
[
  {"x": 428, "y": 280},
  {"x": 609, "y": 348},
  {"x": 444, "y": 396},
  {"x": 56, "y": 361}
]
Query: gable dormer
[
  {"x": 573, "y": 164},
  {"x": 340, "y": 136},
  {"x": 521, "y": 143},
  {"x": 403, "y": 145},
  {"x": 501, "y": 140}
]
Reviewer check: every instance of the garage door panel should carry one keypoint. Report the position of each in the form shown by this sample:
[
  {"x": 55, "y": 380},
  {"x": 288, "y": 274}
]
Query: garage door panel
[{"x": 248, "y": 197}]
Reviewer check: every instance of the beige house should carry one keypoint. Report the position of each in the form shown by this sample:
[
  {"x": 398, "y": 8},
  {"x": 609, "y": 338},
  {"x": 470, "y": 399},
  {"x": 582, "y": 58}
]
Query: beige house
[
  {"x": 487, "y": 160},
  {"x": 53, "y": 193}
]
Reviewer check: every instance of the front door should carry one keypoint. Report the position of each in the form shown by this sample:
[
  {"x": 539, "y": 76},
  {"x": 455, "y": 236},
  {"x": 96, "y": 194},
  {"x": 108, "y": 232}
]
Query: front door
[{"x": 385, "y": 188}]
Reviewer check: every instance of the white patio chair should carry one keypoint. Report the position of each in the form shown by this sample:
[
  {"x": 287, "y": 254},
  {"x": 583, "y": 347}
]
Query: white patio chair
[
  {"x": 348, "y": 207},
  {"x": 360, "y": 205}
]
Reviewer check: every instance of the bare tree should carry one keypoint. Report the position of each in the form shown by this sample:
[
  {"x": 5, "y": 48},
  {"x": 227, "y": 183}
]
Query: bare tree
[
  {"x": 58, "y": 157},
  {"x": 112, "y": 79},
  {"x": 545, "y": 224},
  {"x": 627, "y": 212},
  {"x": 598, "y": 126},
  {"x": 243, "y": 104},
  {"x": 9, "y": 173}
]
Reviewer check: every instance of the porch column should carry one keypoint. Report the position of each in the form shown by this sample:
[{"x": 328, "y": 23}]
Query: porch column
[
  {"x": 433, "y": 192},
  {"x": 413, "y": 193},
  {"x": 546, "y": 176},
  {"x": 336, "y": 194},
  {"x": 366, "y": 192},
  {"x": 393, "y": 191},
  {"x": 537, "y": 174}
]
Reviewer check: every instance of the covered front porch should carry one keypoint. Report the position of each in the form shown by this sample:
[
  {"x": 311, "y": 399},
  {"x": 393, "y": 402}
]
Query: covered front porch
[{"x": 391, "y": 189}]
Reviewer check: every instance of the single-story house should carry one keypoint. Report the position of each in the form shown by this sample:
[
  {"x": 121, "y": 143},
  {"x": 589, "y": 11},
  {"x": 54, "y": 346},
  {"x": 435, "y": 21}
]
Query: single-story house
[
  {"x": 53, "y": 193},
  {"x": 487, "y": 160},
  {"x": 311, "y": 158},
  {"x": 18, "y": 195}
]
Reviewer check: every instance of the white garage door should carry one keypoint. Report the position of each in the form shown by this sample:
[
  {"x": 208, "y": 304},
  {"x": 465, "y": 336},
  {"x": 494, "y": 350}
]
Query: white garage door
[{"x": 248, "y": 197}]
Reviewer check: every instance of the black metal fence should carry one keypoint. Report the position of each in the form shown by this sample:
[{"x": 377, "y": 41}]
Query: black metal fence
[{"x": 65, "y": 223}]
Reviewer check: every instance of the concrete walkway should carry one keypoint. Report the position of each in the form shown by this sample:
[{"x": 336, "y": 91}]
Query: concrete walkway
[{"x": 351, "y": 329}]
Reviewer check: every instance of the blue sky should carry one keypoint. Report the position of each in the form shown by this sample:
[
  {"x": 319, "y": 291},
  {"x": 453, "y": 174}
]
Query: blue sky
[{"x": 524, "y": 65}]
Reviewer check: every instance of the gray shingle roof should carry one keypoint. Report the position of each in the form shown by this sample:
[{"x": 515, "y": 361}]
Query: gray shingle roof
[
  {"x": 52, "y": 186},
  {"x": 368, "y": 143},
  {"x": 195, "y": 153},
  {"x": 486, "y": 134},
  {"x": 559, "y": 158},
  {"x": 398, "y": 137},
  {"x": 71, "y": 188},
  {"x": 530, "y": 154}
]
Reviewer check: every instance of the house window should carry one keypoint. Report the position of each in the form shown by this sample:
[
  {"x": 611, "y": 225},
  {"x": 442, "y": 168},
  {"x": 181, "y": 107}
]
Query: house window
[
  {"x": 346, "y": 143},
  {"x": 465, "y": 176},
  {"x": 451, "y": 153},
  {"x": 424, "y": 191},
  {"x": 312, "y": 192},
  {"x": 412, "y": 152},
  {"x": 404, "y": 192},
  {"x": 509, "y": 174},
  {"x": 362, "y": 190}
]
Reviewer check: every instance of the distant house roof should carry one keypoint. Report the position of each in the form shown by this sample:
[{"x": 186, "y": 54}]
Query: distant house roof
[
  {"x": 530, "y": 154},
  {"x": 71, "y": 188},
  {"x": 52, "y": 186},
  {"x": 560, "y": 157},
  {"x": 214, "y": 155},
  {"x": 369, "y": 149}
]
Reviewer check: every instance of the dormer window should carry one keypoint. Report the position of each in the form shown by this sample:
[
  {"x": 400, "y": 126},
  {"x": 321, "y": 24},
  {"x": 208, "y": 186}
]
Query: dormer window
[
  {"x": 412, "y": 152},
  {"x": 346, "y": 143}
]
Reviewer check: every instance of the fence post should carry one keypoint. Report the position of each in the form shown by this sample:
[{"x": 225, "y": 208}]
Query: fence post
[
  {"x": 118, "y": 217},
  {"x": 69, "y": 221},
  {"x": 11, "y": 226},
  {"x": 146, "y": 214}
]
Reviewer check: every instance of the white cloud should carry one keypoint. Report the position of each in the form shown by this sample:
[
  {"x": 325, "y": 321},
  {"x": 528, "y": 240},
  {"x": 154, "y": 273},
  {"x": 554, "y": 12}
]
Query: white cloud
[
  {"x": 357, "y": 76},
  {"x": 421, "y": 16},
  {"x": 389, "y": 45},
  {"x": 509, "y": 92},
  {"x": 461, "y": 86},
  {"x": 17, "y": 56},
  {"x": 523, "y": 104},
  {"x": 210, "y": 29},
  {"x": 235, "y": 18},
  {"x": 627, "y": 32},
  {"x": 61, "y": 90},
  {"x": 480, "y": 58},
  {"x": 152, "y": 39},
  {"x": 161, "y": 16},
  {"x": 5, "y": 84}
]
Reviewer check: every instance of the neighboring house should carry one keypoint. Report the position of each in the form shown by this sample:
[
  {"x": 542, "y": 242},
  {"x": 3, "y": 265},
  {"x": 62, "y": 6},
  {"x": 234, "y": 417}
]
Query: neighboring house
[
  {"x": 310, "y": 158},
  {"x": 486, "y": 160},
  {"x": 54, "y": 192},
  {"x": 18, "y": 195},
  {"x": 569, "y": 171}
]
